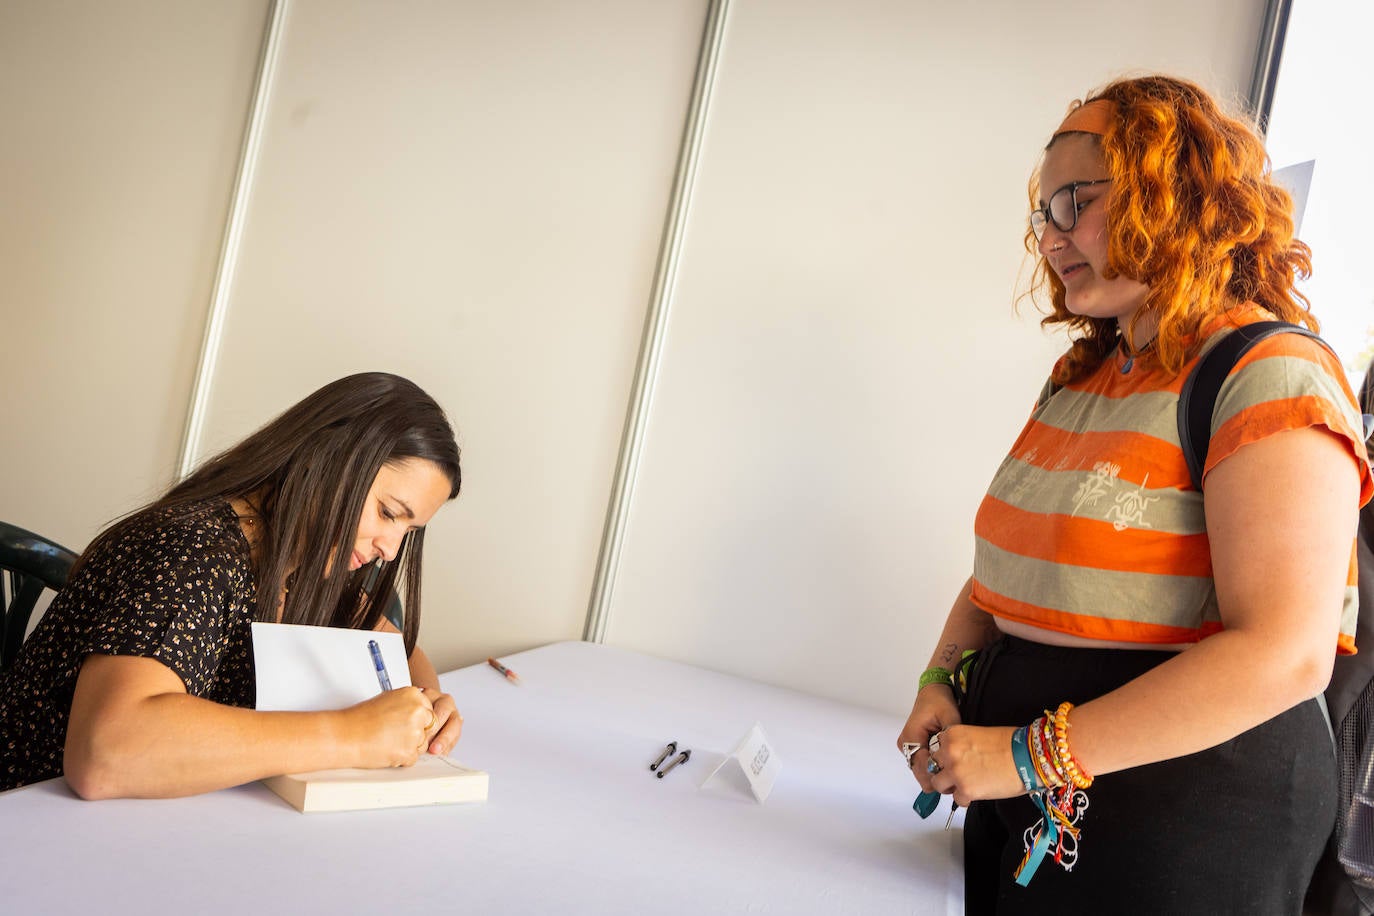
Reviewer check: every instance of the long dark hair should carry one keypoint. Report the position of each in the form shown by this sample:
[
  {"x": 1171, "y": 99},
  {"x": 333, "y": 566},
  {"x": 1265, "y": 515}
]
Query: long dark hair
[{"x": 307, "y": 473}]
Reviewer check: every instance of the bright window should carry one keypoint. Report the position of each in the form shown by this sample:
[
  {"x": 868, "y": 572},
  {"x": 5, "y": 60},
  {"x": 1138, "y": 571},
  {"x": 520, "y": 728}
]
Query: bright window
[{"x": 1319, "y": 116}]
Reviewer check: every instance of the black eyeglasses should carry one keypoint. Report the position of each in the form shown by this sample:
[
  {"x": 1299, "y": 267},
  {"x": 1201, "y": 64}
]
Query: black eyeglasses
[{"x": 1063, "y": 208}]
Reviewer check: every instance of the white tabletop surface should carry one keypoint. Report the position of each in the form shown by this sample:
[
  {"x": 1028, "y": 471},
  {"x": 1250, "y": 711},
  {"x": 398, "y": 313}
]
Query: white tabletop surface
[{"x": 575, "y": 822}]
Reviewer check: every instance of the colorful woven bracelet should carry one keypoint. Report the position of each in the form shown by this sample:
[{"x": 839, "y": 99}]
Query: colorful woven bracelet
[
  {"x": 1048, "y": 757},
  {"x": 1021, "y": 758},
  {"x": 1036, "y": 739},
  {"x": 935, "y": 675}
]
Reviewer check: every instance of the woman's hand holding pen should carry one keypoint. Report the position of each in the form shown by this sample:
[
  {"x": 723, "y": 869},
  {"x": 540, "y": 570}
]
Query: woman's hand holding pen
[
  {"x": 393, "y": 728},
  {"x": 443, "y": 723}
]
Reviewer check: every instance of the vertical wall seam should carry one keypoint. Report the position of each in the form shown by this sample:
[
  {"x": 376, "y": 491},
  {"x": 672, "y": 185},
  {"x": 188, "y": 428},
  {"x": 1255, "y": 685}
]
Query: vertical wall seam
[
  {"x": 655, "y": 326},
  {"x": 232, "y": 239}
]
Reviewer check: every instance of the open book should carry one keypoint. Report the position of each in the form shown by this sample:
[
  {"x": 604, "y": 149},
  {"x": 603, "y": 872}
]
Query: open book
[
  {"x": 432, "y": 781},
  {"x": 304, "y": 669}
]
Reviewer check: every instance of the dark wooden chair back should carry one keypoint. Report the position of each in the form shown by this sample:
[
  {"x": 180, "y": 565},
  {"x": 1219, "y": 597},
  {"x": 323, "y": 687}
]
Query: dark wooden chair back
[{"x": 29, "y": 563}]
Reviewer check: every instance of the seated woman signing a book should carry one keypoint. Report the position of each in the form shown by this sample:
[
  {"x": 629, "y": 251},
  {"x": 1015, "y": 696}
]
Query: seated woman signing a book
[{"x": 138, "y": 681}]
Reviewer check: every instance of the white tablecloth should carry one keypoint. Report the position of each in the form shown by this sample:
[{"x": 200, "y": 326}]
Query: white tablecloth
[{"x": 575, "y": 822}]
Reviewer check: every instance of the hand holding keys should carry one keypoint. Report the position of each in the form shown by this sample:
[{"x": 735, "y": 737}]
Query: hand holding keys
[{"x": 926, "y": 802}]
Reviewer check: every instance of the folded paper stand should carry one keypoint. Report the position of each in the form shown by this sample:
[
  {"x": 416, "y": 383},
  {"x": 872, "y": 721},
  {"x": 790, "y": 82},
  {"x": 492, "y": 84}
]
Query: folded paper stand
[{"x": 756, "y": 760}]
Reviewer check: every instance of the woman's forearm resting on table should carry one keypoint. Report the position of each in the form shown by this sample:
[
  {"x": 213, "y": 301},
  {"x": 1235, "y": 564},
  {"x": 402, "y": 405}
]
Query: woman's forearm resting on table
[{"x": 135, "y": 732}]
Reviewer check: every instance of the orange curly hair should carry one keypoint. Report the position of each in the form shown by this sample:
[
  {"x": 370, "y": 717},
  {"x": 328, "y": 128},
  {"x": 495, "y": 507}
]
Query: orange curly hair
[{"x": 1194, "y": 214}]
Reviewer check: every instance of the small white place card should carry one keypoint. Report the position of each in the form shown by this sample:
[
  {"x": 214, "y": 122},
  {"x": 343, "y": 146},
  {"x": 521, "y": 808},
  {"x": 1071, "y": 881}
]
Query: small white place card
[{"x": 756, "y": 759}]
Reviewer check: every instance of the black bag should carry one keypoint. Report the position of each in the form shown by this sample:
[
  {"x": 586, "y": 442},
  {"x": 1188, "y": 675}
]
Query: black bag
[{"x": 1344, "y": 881}]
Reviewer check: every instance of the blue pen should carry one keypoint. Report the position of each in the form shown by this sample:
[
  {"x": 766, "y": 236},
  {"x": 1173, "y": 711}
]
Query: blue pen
[{"x": 382, "y": 680}]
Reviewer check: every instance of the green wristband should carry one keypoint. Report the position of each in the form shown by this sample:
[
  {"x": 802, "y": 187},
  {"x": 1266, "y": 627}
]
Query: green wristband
[{"x": 935, "y": 675}]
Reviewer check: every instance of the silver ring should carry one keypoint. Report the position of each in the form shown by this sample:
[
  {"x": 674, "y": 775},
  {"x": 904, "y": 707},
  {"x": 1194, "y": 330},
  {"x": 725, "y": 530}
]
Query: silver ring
[
  {"x": 935, "y": 743},
  {"x": 932, "y": 768},
  {"x": 909, "y": 750}
]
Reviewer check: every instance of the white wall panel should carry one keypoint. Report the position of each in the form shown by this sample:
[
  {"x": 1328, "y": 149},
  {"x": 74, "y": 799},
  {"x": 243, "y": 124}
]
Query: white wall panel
[
  {"x": 471, "y": 195},
  {"x": 843, "y": 368},
  {"x": 122, "y": 124}
]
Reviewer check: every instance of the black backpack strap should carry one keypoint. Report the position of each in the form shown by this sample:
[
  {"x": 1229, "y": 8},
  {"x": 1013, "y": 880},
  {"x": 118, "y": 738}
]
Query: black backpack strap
[
  {"x": 1198, "y": 398},
  {"x": 1367, "y": 404}
]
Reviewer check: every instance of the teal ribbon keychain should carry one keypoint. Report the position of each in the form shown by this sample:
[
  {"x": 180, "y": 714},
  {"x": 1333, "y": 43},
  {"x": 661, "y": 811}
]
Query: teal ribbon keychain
[
  {"x": 1030, "y": 780},
  {"x": 1043, "y": 841},
  {"x": 926, "y": 803}
]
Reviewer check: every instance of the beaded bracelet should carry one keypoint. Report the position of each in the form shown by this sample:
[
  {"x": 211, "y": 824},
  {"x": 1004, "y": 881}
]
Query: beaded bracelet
[
  {"x": 935, "y": 675},
  {"x": 1065, "y": 758}
]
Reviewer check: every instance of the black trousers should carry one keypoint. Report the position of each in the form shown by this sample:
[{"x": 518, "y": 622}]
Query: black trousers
[{"x": 1235, "y": 829}]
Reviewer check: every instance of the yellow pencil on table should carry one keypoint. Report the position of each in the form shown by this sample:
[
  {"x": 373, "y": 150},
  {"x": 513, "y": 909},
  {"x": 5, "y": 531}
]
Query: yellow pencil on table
[{"x": 509, "y": 674}]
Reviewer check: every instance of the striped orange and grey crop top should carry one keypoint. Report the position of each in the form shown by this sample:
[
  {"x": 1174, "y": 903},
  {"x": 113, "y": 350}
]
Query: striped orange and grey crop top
[{"x": 1091, "y": 525}]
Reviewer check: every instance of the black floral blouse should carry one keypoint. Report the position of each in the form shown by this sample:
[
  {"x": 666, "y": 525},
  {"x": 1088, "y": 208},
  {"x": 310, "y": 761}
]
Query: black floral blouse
[{"x": 179, "y": 590}]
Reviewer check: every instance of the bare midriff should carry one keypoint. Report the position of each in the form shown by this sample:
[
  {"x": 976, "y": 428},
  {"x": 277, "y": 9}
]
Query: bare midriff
[{"x": 1032, "y": 633}]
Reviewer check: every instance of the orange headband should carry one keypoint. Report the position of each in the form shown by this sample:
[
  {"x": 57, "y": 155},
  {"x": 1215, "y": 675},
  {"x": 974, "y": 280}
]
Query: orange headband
[{"x": 1093, "y": 118}]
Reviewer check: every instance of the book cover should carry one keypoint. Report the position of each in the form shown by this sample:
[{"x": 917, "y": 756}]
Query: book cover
[{"x": 431, "y": 781}]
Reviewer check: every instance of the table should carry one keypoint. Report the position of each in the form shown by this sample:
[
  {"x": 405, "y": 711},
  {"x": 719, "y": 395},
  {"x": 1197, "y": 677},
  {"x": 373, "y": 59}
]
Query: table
[{"x": 575, "y": 822}]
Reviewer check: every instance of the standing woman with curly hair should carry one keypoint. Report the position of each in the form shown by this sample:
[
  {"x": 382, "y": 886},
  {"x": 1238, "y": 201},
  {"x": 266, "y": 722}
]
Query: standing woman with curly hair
[
  {"x": 138, "y": 680},
  {"x": 1139, "y": 733}
]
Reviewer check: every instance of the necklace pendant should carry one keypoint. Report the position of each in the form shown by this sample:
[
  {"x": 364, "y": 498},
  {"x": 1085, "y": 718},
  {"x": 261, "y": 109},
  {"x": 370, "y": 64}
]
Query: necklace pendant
[{"x": 1128, "y": 365}]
